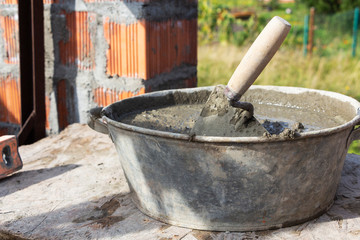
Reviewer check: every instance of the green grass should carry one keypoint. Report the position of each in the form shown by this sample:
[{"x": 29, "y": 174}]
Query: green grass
[
  {"x": 289, "y": 67},
  {"x": 339, "y": 73}
]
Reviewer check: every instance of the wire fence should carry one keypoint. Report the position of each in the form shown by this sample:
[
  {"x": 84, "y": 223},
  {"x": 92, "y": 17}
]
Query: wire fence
[
  {"x": 332, "y": 33},
  {"x": 320, "y": 34}
]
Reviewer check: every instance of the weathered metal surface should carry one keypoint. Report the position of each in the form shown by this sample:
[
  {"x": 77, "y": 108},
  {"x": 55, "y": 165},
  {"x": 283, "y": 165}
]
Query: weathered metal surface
[
  {"x": 232, "y": 184},
  {"x": 72, "y": 187},
  {"x": 95, "y": 122}
]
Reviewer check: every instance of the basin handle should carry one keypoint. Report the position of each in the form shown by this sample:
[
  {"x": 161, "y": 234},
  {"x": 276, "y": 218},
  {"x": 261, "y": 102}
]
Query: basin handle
[
  {"x": 95, "y": 120},
  {"x": 355, "y": 133}
]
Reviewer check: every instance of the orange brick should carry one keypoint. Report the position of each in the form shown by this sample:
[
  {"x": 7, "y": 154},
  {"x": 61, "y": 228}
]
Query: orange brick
[
  {"x": 78, "y": 49},
  {"x": 10, "y": 105},
  {"x": 10, "y": 28},
  {"x": 98, "y": 1},
  {"x": 171, "y": 44},
  {"x": 62, "y": 110},
  {"x": 142, "y": 91},
  {"x": 104, "y": 97},
  {"x": 16, "y": 1},
  {"x": 191, "y": 82},
  {"x": 126, "y": 53},
  {"x": 145, "y": 49},
  {"x": 4, "y": 131},
  {"x": 50, "y": 1},
  {"x": 47, "y": 112},
  {"x": 8, "y": 2}
]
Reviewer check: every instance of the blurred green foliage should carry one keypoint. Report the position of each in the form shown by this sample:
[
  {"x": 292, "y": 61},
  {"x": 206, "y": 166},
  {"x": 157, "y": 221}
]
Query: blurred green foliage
[
  {"x": 333, "y": 33},
  {"x": 331, "y": 6},
  {"x": 217, "y": 24}
]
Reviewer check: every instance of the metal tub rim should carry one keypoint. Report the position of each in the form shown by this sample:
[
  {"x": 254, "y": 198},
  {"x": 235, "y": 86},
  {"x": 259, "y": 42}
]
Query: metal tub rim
[{"x": 215, "y": 139}]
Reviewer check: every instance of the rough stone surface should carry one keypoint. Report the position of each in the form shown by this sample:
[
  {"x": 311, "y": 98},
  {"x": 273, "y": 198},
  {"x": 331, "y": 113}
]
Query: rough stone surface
[{"x": 72, "y": 187}]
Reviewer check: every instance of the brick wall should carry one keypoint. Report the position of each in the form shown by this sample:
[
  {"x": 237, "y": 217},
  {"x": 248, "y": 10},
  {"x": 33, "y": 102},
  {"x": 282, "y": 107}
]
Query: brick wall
[
  {"x": 10, "y": 112},
  {"x": 101, "y": 51}
]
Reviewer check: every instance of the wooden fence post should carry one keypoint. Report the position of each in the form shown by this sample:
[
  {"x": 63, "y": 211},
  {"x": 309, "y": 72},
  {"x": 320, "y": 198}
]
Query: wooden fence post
[{"x": 311, "y": 30}]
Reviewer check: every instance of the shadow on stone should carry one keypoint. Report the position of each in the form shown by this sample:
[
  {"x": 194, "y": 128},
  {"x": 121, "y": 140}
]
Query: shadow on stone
[{"x": 24, "y": 179}]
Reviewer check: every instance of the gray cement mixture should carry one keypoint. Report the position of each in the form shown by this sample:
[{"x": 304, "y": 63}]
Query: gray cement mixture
[
  {"x": 282, "y": 115},
  {"x": 220, "y": 118},
  {"x": 181, "y": 119},
  {"x": 169, "y": 119}
]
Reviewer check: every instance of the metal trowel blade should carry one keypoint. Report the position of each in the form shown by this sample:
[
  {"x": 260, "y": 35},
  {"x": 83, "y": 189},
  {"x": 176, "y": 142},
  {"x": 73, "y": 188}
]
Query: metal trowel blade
[{"x": 219, "y": 118}]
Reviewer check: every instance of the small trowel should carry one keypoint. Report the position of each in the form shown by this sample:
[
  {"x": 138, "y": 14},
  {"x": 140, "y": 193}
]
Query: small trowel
[{"x": 223, "y": 114}]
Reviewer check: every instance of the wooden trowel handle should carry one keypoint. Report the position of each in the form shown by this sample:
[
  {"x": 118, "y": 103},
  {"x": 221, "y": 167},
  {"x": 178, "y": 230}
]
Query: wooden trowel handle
[{"x": 257, "y": 57}]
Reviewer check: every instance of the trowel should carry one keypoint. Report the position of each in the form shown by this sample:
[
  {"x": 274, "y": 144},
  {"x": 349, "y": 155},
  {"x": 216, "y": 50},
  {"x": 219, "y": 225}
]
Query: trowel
[{"x": 223, "y": 114}]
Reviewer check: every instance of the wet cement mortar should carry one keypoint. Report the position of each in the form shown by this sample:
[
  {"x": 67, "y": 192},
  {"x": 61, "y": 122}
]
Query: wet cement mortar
[
  {"x": 219, "y": 117},
  {"x": 167, "y": 119},
  {"x": 279, "y": 120}
]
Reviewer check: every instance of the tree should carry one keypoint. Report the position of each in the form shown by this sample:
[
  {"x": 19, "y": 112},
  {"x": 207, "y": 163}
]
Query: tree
[
  {"x": 323, "y": 6},
  {"x": 349, "y": 4},
  {"x": 331, "y": 6}
]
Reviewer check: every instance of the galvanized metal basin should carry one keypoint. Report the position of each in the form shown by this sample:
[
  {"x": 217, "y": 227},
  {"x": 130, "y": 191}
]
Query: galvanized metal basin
[{"x": 238, "y": 183}]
